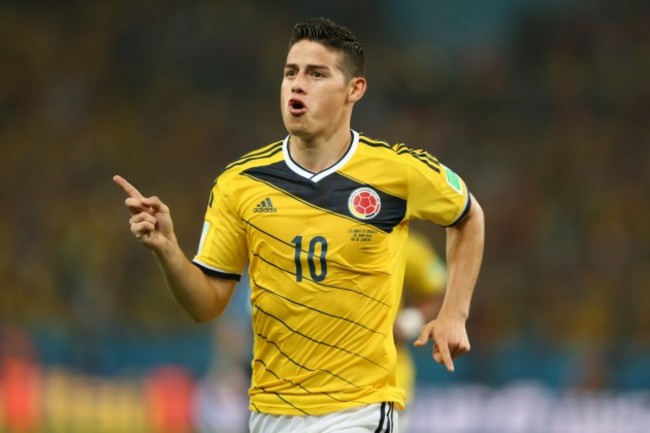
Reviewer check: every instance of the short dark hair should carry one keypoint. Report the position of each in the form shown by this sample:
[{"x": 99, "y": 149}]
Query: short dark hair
[{"x": 334, "y": 36}]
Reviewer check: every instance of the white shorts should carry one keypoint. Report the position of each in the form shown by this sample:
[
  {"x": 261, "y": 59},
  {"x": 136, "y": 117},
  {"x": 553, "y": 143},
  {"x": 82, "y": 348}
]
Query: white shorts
[{"x": 373, "y": 418}]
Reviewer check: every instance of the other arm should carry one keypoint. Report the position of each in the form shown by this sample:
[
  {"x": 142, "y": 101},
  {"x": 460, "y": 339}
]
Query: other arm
[
  {"x": 465, "y": 243},
  {"x": 204, "y": 297}
]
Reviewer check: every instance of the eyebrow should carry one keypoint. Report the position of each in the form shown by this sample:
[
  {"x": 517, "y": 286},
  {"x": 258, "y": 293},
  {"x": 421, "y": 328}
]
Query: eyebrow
[{"x": 308, "y": 67}]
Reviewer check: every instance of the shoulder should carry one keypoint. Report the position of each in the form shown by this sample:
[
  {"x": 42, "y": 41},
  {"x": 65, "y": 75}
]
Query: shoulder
[{"x": 398, "y": 153}]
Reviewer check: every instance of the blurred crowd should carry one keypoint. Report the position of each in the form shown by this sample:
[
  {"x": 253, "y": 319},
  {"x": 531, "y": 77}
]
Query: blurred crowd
[{"x": 548, "y": 125}]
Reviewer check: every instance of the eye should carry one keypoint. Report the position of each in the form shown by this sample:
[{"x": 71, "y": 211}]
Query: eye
[
  {"x": 317, "y": 74},
  {"x": 289, "y": 73}
]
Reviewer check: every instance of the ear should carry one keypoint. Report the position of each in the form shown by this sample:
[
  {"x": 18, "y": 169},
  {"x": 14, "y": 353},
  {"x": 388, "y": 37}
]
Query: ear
[{"x": 357, "y": 89}]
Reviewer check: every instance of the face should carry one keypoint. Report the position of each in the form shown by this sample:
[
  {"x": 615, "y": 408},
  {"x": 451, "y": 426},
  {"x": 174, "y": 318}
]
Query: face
[{"x": 316, "y": 97}]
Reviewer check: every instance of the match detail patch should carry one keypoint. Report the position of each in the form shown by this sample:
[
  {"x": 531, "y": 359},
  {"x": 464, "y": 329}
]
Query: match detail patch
[{"x": 453, "y": 180}]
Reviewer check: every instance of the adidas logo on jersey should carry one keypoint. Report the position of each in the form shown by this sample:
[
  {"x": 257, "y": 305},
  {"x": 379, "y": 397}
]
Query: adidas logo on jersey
[{"x": 266, "y": 206}]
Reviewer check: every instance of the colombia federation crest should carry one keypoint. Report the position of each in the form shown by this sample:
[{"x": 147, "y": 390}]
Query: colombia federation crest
[{"x": 364, "y": 203}]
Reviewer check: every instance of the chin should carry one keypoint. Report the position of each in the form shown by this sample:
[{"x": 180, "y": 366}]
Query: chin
[{"x": 299, "y": 130}]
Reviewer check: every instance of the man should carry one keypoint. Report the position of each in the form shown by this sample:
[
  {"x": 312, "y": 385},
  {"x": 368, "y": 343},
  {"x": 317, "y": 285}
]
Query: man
[
  {"x": 322, "y": 219},
  {"x": 424, "y": 284}
]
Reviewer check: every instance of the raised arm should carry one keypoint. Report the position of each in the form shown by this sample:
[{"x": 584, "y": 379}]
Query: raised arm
[
  {"x": 203, "y": 297},
  {"x": 464, "y": 255}
]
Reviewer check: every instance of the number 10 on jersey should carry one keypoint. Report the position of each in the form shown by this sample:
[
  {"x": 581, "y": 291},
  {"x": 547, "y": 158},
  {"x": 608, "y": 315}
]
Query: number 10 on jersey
[{"x": 317, "y": 251}]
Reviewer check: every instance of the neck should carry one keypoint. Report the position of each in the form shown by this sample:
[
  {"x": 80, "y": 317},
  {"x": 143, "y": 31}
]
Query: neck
[{"x": 316, "y": 155}]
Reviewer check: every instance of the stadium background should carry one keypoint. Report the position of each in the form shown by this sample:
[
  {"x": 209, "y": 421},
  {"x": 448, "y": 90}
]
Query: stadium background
[{"x": 542, "y": 106}]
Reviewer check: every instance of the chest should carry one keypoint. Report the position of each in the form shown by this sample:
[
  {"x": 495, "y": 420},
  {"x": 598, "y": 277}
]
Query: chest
[{"x": 339, "y": 218}]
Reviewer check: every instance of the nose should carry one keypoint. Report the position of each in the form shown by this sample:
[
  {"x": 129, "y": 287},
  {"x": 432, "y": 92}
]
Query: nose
[{"x": 298, "y": 84}]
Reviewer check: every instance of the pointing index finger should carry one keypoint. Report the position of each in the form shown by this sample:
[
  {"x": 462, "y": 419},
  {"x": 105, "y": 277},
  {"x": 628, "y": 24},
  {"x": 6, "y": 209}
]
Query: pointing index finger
[
  {"x": 129, "y": 189},
  {"x": 445, "y": 356}
]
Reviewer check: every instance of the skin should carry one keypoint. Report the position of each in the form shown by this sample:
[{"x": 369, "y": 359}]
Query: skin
[
  {"x": 464, "y": 253},
  {"x": 316, "y": 100},
  {"x": 204, "y": 297},
  {"x": 320, "y": 131}
]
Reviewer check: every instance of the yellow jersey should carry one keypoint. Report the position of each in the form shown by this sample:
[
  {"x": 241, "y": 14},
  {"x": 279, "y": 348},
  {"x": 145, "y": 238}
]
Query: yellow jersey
[{"x": 326, "y": 255}]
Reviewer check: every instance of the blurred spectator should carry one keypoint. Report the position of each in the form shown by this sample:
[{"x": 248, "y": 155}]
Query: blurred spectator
[
  {"x": 222, "y": 397},
  {"x": 20, "y": 382},
  {"x": 169, "y": 393},
  {"x": 547, "y": 114}
]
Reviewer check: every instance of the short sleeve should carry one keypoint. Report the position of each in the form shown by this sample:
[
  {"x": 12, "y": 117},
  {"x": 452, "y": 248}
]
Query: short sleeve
[
  {"x": 222, "y": 250},
  {"x": 438, "y": 194}
]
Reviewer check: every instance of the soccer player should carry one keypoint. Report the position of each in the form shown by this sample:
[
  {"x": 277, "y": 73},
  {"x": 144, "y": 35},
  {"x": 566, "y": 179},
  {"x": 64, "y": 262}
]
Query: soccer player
[
  {"x": 322, "y": 219},
  {"x": 424, "y": 284}
]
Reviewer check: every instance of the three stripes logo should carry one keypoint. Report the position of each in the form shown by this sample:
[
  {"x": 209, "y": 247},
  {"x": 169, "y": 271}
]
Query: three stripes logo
[{"x": 265, "y": 206}]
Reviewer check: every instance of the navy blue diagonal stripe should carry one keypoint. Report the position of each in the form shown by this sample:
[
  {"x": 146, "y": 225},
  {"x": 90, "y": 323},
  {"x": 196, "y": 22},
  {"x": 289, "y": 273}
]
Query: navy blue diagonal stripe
[{"x": 331, "y": 193}]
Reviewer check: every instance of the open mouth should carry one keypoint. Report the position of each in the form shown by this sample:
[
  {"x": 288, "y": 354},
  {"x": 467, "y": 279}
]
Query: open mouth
[{"x": 297, "y": 107}]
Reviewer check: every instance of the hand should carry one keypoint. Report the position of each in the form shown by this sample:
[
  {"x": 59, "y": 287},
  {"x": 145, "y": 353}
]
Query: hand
[
  {"x": 449, "y": 339},
  {"x": 151, "y": 222}
]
